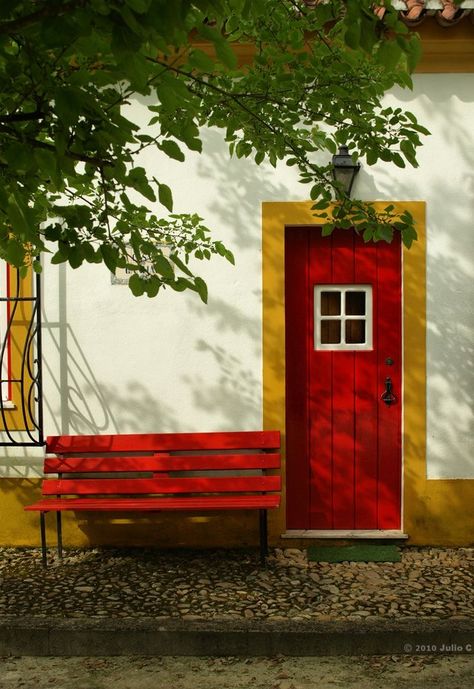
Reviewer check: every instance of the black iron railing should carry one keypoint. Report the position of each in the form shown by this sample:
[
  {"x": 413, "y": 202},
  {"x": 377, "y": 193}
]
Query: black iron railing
[{"x": 21, "y": 398}]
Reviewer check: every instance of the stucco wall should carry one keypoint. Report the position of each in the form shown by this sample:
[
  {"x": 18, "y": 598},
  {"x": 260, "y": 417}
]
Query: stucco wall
[
  {"x": 114, "y": 363},
  {"x": 445, "y": 180},
  {"x": 172, "y": 363}
]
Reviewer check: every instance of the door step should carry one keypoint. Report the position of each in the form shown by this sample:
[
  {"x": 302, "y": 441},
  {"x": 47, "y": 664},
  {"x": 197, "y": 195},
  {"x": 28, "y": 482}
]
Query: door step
[{"x": 362, "y": 533}]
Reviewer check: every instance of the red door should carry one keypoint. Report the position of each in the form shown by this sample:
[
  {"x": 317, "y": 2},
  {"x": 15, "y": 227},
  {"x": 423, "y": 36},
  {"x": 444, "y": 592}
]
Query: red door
[{"x": 343, "y": 381}]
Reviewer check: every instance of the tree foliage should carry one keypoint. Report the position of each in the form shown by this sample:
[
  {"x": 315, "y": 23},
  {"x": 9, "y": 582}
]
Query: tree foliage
[{"x": 70, "y": 178}]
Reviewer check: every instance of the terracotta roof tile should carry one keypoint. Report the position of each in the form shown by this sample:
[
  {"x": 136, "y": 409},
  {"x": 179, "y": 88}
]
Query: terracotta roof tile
[{"x": 446, "y": 12}]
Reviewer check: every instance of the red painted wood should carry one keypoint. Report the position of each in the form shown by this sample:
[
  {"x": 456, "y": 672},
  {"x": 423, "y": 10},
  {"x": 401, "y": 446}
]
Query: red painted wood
[
  {"x": 366, "y": 403},
  {"x": 343, "y": 396},
  {"x": 354, "y": 439},
  {"x": 154, "y": 442},
  {"x": 211, "y": 502},
  {"x": 389, "y": 434},
  {"x": 320, "y": 395},
  {"x": 139, "y": 486},
  {"x": 111, "y": 464},
  {"x": 296, "y": 327}
]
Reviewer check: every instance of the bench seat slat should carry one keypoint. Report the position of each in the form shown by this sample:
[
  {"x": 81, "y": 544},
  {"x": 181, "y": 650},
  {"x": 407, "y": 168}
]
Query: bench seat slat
[
  {"x": 211, "y": 502},
  {"x": 153, "y": 442},
  {"x": 139, "y": 486},
  {"x": 65, "y": 465}
]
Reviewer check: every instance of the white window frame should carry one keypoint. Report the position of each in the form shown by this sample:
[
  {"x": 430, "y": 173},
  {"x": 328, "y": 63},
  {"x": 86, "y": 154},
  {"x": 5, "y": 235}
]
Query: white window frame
[{"x": 342, "y": 317}]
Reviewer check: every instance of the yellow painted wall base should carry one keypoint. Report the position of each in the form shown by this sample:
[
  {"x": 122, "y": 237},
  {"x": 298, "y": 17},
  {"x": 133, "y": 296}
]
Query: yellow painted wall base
[
  {"x": 440, "y": 512},
  {"x": 232, "y": 529},
  {"x": 425, "y": 522}
]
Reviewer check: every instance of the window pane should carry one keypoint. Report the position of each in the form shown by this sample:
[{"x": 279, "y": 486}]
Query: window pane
[
  {"x": 330, "y": 303},
  {"x": 355, "y": 332},
  {"x": 330, "y": 332},
  {"x": 355, "y": 303}
]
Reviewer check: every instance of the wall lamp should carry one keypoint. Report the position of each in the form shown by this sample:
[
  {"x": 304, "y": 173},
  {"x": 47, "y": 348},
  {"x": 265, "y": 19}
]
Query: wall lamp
[{"x": 344, "y": 169}]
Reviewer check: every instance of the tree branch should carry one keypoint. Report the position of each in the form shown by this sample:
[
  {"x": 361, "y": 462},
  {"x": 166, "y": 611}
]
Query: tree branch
[
  {"x": 47, "y": 10},
  {"x": 22, "y": 117},
  {"x": 80, "y": 157}
]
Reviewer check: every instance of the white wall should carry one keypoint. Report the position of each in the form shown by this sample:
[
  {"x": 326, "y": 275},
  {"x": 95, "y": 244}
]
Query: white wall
[
  {"x": 114, "y": 363},
  {"x": 445, "y": 180}
]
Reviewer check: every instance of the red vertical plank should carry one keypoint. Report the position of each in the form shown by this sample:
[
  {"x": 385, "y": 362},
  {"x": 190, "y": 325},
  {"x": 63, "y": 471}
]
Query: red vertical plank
[
  {"x": 343, "y": 395},
  {"x": 366, "y": 402},
  {"x": 389, "y": 417},
  {"x": 320, "y": 394},
  {"x": 296, "y": 329}
]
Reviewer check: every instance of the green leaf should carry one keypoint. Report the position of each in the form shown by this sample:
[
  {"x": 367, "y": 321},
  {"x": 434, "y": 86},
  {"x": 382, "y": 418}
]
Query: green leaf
[
  {"x": 137, "y": 179},
  {"x": 76, "y": 256},
  {"x": 89, "y": 253},
  {"x": 384, "y": 232},
  {"x": 60, "y": 256},
  {"x": 152, "y": 286},
  {"x": 136, "y": 285},
  {"x": 165, "y": 196},
  {"x": 352, "y": 35},
  {"x": 389, "y": 54},
  {"x": 15, "y": 252},
  {"x": 409, "y": 235},
  {"x": 371, "y": 157},
  {"x": 110, "y": 256},
  {"x": 223, "y": 48},
  {"x": 409, "y": 152},
  {"x": 201, "y": 288},
  {"x": 201, "y": 61},
  {"x": 124, "y": 40},
  {"x": 140, "y": 6},
  {"x": 163, "y": 266},
  {"x": 181, "y": 265},
  {"x": 19, "y": 218},
  {"x": 171, "y": 149},
  {"x": 398, "y": 160}
]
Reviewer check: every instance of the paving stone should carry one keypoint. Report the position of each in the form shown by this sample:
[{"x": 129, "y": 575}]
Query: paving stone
[{"x": 429, "y": 582}]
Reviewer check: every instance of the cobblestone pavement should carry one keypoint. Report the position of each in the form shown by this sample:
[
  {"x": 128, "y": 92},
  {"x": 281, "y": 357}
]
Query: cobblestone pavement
[
  {"x": 431, "y": 583},
  {"x": 389, "y": 672}
]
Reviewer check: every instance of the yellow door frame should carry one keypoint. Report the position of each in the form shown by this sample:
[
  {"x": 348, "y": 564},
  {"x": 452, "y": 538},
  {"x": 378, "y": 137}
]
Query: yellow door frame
[{"x": 433, "y": 511}]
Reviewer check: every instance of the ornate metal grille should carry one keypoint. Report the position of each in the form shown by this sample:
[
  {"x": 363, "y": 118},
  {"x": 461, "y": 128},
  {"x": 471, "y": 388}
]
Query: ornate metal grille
[{"x": 21, "y": 398}]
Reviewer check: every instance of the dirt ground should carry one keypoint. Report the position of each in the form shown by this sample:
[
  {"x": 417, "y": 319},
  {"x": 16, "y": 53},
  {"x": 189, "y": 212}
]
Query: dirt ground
[{"x": 375, "y": 672}]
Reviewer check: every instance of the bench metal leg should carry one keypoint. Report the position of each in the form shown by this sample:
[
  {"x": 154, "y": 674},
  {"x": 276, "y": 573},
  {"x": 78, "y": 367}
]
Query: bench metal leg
[
  {"x": 60, "y": 534},
  {"x": 44, "y": 559},
  {"x": 263, "y": 536}
]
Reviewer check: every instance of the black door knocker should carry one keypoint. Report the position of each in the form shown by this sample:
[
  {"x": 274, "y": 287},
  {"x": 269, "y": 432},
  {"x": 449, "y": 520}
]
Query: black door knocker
[{"x": 387, "y": 396}]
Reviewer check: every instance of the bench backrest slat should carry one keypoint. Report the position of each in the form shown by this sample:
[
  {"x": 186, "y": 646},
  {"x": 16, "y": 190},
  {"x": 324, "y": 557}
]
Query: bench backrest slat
[
  {"x": 156, "y": 442},
  {"x": 166, "y": 462},
  {"x": 144, "y": 486}
]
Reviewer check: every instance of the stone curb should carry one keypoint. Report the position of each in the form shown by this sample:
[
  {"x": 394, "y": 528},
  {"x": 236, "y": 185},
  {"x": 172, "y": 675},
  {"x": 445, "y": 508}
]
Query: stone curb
[{"x": 170, "y": 637}]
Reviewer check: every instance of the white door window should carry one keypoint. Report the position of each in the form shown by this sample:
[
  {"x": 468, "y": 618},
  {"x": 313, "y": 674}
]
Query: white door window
[{"x": 342, "y": 317}]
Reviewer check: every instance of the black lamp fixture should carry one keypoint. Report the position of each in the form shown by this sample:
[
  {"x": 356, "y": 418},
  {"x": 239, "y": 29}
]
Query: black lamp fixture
[{"x": 344, "y": 169}]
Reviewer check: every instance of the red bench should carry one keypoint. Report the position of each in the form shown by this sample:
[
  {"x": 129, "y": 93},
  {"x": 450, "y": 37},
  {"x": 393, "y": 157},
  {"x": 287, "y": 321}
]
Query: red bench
[{"x": 158, "y": 472}]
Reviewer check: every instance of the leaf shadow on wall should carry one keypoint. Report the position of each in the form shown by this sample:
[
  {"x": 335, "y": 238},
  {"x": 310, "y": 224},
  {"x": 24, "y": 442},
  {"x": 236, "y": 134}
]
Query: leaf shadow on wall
[
  {"x": 240, "y": 187},
  {"x": 234, "y": 397},
  {"x": 85, "y": 404},
  {"x": 450, "y": 316}
]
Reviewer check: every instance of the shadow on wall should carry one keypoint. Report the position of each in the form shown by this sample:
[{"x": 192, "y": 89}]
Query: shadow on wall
[
  {"x": 241, "y": 186},
  {"x": 234, "y": 398},
  {"x": 87, "y": 406},
  {"x": 450, "y": 314}
]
